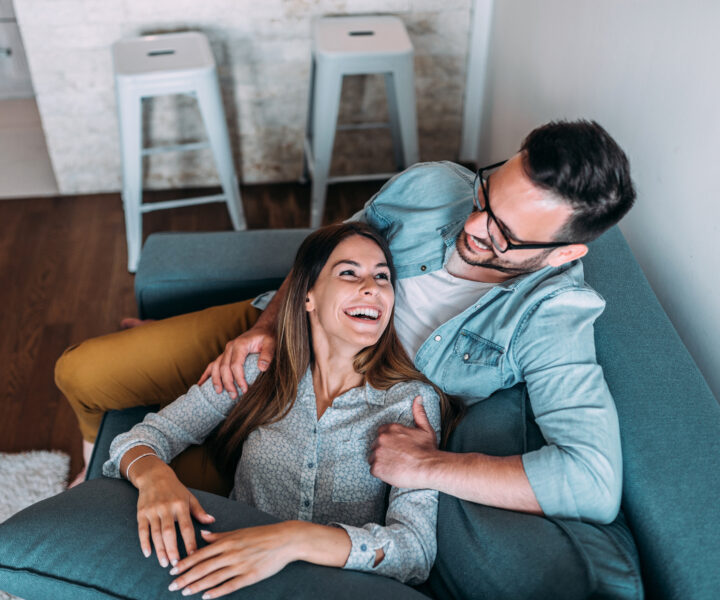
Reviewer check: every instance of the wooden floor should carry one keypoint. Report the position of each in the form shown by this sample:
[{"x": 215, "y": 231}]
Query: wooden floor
[{"x": 63, "y": 278}]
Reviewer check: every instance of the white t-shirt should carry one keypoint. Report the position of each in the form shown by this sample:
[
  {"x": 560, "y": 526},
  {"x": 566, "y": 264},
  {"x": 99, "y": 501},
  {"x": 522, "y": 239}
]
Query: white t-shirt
[{"x": 425, "y": 302}]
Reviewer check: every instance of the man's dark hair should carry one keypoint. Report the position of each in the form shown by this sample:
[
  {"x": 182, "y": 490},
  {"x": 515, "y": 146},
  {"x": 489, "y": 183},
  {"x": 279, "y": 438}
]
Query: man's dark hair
[{"x": 580, "y": 163}]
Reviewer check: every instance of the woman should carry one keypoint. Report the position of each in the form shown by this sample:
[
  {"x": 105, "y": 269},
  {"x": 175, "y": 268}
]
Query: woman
[{"x": 299, "y": 439}]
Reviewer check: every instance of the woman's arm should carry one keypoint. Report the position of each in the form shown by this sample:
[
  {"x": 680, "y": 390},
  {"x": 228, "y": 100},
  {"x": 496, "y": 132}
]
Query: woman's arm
[
  {"x": 185, "y": 422},
  {"x": 237, "y": 559},
  {"x": 408, "y": 541}
]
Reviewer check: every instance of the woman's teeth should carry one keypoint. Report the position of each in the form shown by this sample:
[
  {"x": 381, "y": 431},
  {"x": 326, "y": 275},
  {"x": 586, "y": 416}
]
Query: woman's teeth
[{"x": 364, "y": 313}]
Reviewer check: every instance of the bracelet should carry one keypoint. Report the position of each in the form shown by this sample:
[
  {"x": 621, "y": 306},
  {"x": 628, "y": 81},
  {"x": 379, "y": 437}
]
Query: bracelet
[{"x": 134, "y": 460}]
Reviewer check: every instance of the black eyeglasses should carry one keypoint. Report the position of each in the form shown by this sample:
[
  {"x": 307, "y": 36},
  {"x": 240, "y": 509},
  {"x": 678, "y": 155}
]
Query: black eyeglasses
[{"x": 497, "y": 232}]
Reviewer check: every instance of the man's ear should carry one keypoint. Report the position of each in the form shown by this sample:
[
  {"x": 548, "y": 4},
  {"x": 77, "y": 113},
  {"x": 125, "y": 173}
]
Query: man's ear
[{"x": 565, "y": 254}]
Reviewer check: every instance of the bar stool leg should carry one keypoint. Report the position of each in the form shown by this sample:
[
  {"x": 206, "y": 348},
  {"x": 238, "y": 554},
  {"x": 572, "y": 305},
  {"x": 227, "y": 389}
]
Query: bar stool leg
[
  {"x": 328, "y": 85},
  {"x": 394, "y": 119},
  {"x": 404, "y": 85},
  {"x": 130, "y": 114},
  {"x": 306, "y": 173},
  {"x": 211, "y": 109}
]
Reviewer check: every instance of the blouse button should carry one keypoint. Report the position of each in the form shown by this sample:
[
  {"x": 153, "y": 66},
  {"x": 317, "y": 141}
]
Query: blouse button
[
  {"x": 363, "y": 547},
  {"x": 307, "y": 503},
  {"x": 423, "y": 268},
  {"x": 466, "y": 356},
  {"x": 438, "y": 338},
  {"x": 311, "y": 465}
]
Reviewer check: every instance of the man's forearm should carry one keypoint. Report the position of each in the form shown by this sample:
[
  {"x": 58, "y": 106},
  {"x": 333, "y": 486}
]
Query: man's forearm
[
  {"x": 268, "y": 318},
  {"x": 498, "y": 481}
]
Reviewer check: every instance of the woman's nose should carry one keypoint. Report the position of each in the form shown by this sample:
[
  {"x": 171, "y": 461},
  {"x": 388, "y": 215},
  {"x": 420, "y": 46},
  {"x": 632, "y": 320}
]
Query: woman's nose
[{"x": 370, "y": 287}]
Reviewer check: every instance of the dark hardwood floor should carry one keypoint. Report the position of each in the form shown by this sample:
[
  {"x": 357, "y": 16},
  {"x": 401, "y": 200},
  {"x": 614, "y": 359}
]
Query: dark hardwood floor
[{"x": 63, "y": 278}]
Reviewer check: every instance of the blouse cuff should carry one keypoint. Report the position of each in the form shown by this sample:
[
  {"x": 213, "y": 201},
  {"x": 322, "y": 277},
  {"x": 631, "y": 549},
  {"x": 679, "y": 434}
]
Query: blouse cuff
[
  {"x": 111, "y": 467},
  {"x": 363, "y": 550}
]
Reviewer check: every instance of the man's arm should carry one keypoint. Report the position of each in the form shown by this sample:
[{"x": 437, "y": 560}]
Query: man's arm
[
  {"x": 578, "y": 474},
  {"x": 227, "y": 368},
  {"x": 407, "y": 458}
]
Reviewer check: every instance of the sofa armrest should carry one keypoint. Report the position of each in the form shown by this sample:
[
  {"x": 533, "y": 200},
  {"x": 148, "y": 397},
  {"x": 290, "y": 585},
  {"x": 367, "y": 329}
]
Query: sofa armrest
[{"x": 184, "y": 272}]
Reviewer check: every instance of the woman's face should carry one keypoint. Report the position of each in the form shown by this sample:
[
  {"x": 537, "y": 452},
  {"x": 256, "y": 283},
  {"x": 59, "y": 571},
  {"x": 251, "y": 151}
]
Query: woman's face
[{"x": 352, "y": 299}]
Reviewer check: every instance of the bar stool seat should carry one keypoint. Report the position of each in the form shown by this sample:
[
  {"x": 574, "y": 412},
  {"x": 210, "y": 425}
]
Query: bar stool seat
[
  {"x": 352, "y": 46},
  {"x": 155, "y": 65}
]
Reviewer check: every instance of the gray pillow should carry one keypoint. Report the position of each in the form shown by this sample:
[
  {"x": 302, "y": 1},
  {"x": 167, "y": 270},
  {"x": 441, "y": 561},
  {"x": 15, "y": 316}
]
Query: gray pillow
[{"x": 83, "y": 545}]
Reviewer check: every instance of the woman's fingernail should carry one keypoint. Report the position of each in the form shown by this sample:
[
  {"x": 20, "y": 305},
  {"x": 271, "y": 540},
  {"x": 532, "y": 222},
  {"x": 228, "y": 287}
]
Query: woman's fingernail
[
  {"x": 206, "y": 596},
  {"x": 174, "y": 561},
  {"x": 173, "y": 571},
  {"x": 146, "y": 552},
  {"x": 186, "y": 592},
  {"x": 204, "y": 532},
  {"x": 163, "y": 562},
  {"x": 173, "y": 586}
]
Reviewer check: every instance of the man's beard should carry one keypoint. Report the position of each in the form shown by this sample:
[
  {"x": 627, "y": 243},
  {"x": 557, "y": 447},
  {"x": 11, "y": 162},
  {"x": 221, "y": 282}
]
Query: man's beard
[{"x": 498, "y": 264}]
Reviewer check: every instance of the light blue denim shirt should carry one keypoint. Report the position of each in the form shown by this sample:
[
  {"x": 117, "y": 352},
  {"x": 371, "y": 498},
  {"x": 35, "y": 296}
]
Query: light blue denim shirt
[
  {"x": 535, "y": 328},
  {"x": 317, "y": 470}
]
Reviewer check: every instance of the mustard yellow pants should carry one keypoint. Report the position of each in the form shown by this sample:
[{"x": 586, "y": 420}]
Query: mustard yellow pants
[{"x": 151, "y": 364}]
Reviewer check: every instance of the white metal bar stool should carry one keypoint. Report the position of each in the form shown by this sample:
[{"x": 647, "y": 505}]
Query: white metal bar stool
[
  {"x": 155, "y": 65},
  {"x": 353, "y": 46}
]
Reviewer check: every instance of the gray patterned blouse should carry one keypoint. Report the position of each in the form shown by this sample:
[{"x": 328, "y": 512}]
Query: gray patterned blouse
[{"x": 314, "y": 470}]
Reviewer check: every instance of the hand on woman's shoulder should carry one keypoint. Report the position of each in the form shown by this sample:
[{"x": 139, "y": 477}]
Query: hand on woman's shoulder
[
  {"x": 251, "y": 368},
  {"x": 404, "y": 394}
]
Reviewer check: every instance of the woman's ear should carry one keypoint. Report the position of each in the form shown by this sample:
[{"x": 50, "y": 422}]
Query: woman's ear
[
  {"x": 309, "y": 302},
  {"x": 566, "y": 254}
]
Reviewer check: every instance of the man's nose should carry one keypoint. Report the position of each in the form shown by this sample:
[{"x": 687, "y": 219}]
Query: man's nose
[{"x": 477, "y": 219}]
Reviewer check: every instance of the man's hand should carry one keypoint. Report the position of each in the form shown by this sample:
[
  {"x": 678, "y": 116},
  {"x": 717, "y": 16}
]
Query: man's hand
[
  {"x": 228, "y": 368},
  {"x": 401, "y": 455},
  {"x": 236, "y": 559}
]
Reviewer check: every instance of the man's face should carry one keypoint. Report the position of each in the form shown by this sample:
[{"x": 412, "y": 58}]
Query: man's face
[{"x": 525, "y": 211}]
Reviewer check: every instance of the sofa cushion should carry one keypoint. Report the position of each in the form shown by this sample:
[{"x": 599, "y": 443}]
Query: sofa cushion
[
  {"x": 486, "y": 552},
  {"x": 83, "y": 545}
]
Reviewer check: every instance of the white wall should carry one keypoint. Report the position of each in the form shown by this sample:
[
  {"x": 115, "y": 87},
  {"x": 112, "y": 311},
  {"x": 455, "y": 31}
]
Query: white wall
[{"x": 649, "y": 72}]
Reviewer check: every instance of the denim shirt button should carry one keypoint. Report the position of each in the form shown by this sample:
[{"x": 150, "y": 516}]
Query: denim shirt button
[
  {"x": 423, "y": 268},
  {"x": 438, "y": 338},
  {"x": 466, "y": 356}
]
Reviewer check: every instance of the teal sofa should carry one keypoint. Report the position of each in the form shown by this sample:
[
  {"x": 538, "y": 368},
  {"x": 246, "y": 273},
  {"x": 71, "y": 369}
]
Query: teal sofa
[{"x": 664, "y": 544}]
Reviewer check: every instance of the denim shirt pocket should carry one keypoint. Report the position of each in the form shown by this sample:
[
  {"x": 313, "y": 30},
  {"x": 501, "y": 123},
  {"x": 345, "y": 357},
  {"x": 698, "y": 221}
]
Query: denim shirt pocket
[{"x": 474, "y": 368}]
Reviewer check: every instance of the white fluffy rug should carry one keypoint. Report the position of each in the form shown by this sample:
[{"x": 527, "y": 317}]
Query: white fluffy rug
[{"x": 27, "y": 478}]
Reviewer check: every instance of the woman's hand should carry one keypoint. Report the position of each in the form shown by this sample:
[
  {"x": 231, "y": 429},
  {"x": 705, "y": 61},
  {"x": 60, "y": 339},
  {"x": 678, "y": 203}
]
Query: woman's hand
[
  {"x": 236, "y": 559},
  {"x": 228, "y": 368},
  {"x": 162, "y": 501}
]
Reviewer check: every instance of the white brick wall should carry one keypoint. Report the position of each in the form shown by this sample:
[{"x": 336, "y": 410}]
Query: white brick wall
[{"x": 263, "y": 53}]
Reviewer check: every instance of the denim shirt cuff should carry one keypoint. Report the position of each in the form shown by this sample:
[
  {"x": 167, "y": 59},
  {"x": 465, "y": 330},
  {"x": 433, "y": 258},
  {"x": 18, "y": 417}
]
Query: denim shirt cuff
[
  {"x": 362, "y": 553},
  {"x": 548, "y": 485},
  {"x": 261, "y": 302}
]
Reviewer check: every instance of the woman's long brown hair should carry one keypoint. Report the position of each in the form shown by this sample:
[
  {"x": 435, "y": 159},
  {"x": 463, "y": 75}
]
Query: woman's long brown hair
[{"x": 273, "y": 393}]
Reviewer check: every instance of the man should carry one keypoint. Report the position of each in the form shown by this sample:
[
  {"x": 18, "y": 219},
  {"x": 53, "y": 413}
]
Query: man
[
  {"x": 490, "y": 295},
  {"x": 492, "y": 298}
]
